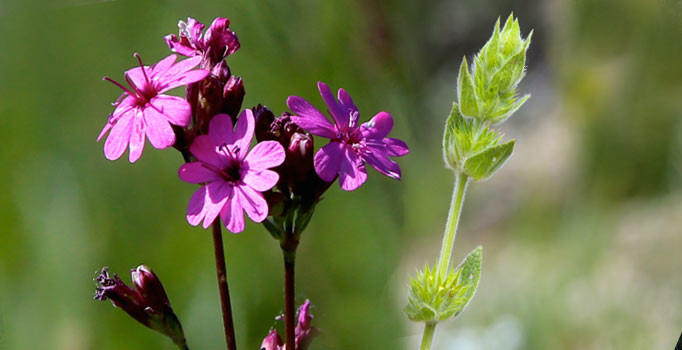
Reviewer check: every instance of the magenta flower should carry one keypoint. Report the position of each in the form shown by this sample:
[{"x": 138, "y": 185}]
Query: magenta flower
[
  {"x": 304, "y": 332},
  {"x": 218, "y": 42},
  {"x": 145, "y": 110},
  {"x": 351, "y": 145},
  {"x": 233, "y": 179}
]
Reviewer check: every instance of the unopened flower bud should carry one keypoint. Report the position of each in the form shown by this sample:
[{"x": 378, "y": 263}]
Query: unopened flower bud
[
  {"x": 264, "y": 119},
  {"x": 233, "y": 96},
  {"x": 147, "y": 302},
  {"x": 272, "y": 341}
]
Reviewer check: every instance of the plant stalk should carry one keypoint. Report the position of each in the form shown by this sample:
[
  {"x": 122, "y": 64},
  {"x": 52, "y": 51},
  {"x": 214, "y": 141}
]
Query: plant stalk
[
  {"x": 427, "y": 337},
  {"x": 289, "y": 302},
  {"x": 461, "y": 181},
  {"x": 222, "y": 285}
]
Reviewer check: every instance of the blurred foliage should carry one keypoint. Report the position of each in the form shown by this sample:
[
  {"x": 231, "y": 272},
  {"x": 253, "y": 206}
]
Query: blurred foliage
[{"x": 581, "y": 228}]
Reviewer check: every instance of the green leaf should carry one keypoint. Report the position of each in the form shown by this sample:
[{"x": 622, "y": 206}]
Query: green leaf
[
  {"x": 466, "y": 93},
  {"x": 504, "y": 113},
  {"x": 482, "y": 165},
  {"x": 434, "y": 298},
  {"x": 511, "y": 72},
  {"x": 468, "y": 274}
]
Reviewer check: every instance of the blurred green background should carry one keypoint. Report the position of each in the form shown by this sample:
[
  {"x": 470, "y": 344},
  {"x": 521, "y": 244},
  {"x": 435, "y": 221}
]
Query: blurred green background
[{"x": 581, "y": 229}]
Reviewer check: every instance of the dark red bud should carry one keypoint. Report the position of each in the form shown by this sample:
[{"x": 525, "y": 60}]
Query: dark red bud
[
  {"x": 264, "y": 118},
  {"x": 233, "y": 96}
]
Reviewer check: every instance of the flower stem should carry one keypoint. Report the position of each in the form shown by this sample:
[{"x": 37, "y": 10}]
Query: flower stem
[
  {"x": 289, "y": 302},
  {"x": 222, "y": 285},
  {"x": 427, "y": 337},
  {"x": 461, "y": 181},
  {"x": 289, "y": 243}
]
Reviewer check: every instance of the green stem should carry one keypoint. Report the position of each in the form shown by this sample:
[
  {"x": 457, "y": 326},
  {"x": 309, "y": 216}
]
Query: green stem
[
  {"x": 461, "y": 181},
  {"x": 427, "y": 337}
]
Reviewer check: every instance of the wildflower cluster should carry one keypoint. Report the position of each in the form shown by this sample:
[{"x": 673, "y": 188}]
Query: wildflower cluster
[{"x": 278, "y": 181}]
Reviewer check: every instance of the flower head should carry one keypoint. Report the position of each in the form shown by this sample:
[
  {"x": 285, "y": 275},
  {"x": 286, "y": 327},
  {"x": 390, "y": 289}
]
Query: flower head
[
  {"x": 234, "y": 177},
  {"x": 351, "y": 145},
  {"x": 143, "y": 109},
  {"x": 217, "y": 43},
  {"x": 147, "y": 302}
]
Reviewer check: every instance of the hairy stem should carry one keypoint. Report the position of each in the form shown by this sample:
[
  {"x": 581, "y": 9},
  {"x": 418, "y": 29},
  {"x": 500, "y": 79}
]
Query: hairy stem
[
  {"x": 222, "y": 285},
  {"x": 461, "y": 181},
  {"x": 427, "y": 337}
]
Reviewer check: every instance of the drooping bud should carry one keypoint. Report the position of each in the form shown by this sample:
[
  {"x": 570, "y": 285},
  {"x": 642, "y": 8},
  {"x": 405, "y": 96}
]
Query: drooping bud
[
  {"x": 433, "y": 298},
  {"x": 489, "y": 92},
  {"x": 147, "y": 302}
]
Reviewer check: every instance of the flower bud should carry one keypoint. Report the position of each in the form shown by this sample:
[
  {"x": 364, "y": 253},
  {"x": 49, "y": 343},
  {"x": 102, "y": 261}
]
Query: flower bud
[
  {"x": 233, "y": 96},
  {"x": 147, "y": 303},
  {"x": 489, "y": 91},
  {"x": 264, "y": 119},
  {"x": 272, "y": 341}
]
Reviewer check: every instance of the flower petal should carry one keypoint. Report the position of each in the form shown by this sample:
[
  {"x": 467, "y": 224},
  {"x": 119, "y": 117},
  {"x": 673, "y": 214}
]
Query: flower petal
[
  {"x": 338, "y": 113},
  {"x": 328, "y": 160},
  {"x": 352, "y": 172},
  {"x": 178, "y": 68},
  {"x": 220, "y": 130},
  {"x": 309, "y": 118},
  {"x": 253, "y": 203},
  {"x": 158, "y": 130},
  {"x": 233, "y": 215},
  {"x": 351, "y": 110},
  {"x": 184, "y": 79},
  {"x": 378, "y": 158},
  {"x": 243, "y": 132},
  {"x": 261, "y": 180},
  {"x": 195, "y": 208},
  {"x": 204, "y": 150},
  {"x": 118, "y": 139},
  {"x": 217, "y": 194},
  {"x": 136, "y": 145},
  {"x": 162, "y": 66},
  {"x": 378, "y": 127},
  {"x": 396, "y": 147},
  {"x": 265, "y": 155},
  {"x": 196, "y": 173},
  {"x": 173, "y": 108}
]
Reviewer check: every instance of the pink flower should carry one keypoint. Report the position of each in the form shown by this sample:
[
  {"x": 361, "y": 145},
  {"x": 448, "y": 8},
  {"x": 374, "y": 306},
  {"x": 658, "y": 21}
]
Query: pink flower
[
  {"x": 351, "y": 145},
  {"x": 304, "y": 333},
  {"x": 234, "y": 177},
  {"x": 144, "y": 110},
  {"x": 217, "y": 43}
]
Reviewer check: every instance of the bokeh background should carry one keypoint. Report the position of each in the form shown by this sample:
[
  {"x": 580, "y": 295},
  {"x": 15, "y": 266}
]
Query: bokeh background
[{"x": 581, "y": 229}]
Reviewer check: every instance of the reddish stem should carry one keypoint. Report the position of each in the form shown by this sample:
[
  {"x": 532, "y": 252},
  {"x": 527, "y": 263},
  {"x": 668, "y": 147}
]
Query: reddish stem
[{"x": 222, "y": 285}]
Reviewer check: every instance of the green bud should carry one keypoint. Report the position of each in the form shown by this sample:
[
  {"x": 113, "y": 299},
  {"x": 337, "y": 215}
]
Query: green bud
[
  {"x": 489, "y": 91},
  {"x": 433, "y": 298}
]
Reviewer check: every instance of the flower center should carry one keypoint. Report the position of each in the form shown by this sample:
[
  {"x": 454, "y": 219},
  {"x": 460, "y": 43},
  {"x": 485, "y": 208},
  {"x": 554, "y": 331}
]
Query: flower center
[{"x": 232, "y": 173}]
